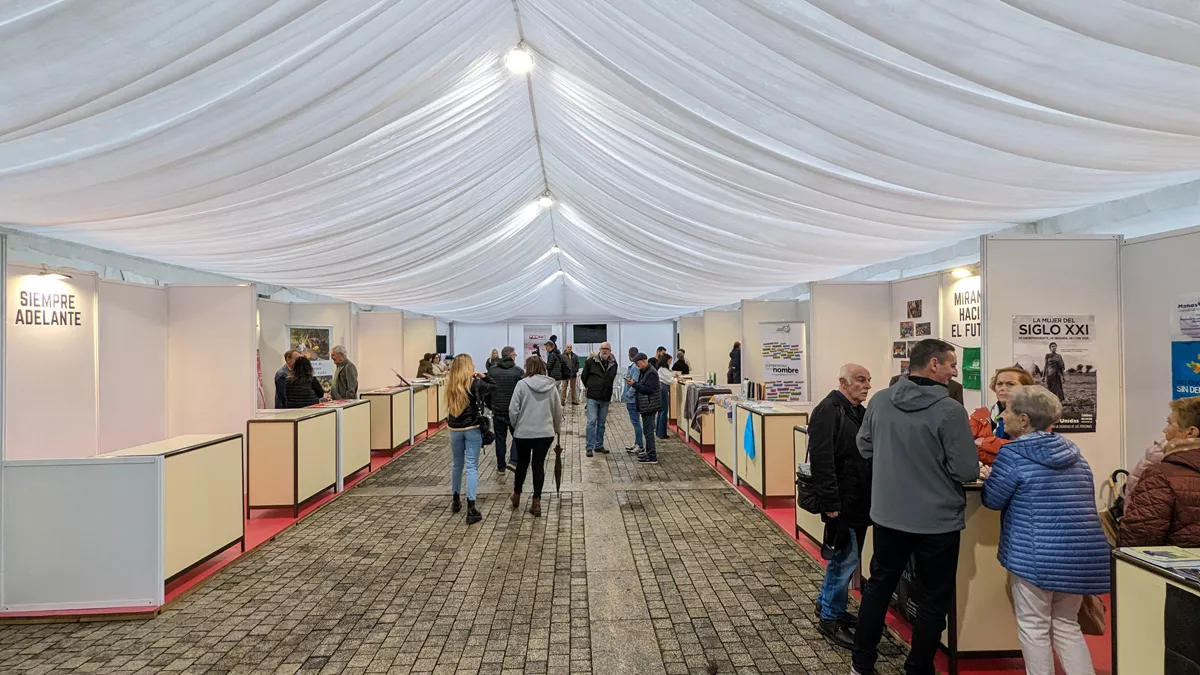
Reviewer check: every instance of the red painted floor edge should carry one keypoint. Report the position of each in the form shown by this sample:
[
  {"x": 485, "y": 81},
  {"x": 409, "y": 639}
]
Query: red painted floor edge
[
  {"x": 785, "y": 517},
  {"x": 262, "y": 526}
]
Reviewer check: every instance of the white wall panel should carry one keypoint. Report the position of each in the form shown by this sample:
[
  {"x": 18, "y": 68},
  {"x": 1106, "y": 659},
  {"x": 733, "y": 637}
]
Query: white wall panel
[
  {"x": 479, "y": 339},
  {"x": 1154, "y": 272},
  {"x": 211, "y": 365},
  {"x": 755, "y": 312},
  {"x": 82, "y": 533},
  {"x": 721, "y": 329},
  {"x": 50, "y": 369},
  {"x": 335, "y": 314},
  {"x": 133, "y": 364},
  {"x": 851, "y": 323},
  {"x": 420, "y": 338},
  {"x": 272, "y": 342},
  {"x": 925, "y": 289},
  {"x": 380, "y": 349},
  {"x": 691, "y": 338},
  {"x": 646, "y": 336},
  {"x": 1062, "y": 275}
]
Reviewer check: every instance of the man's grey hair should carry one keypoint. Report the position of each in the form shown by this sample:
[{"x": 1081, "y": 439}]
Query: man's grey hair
[
  {"x": 508, "y": 352},
  {"x": 1042, "y": 407},
  {"x": 338, "y": 350},
  {"x": 844, "y": 373}
]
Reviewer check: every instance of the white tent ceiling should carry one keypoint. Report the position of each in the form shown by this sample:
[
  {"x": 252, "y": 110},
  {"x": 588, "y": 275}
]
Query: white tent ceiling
[{"x": 698, "y": 152}]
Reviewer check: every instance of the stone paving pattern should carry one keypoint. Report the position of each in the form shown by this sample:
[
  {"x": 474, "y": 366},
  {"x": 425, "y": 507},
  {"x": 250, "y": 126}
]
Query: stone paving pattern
[{"x": 631, "y": 569}]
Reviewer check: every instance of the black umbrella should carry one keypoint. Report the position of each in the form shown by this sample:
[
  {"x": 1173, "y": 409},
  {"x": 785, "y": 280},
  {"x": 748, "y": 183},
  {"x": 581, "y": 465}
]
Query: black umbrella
[{"x": 558, "y": 464}]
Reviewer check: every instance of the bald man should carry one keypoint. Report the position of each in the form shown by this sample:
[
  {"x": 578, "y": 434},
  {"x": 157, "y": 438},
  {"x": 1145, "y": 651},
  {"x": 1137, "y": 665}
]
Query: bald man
[
  {"x": 842, "y": 479},
  {"x": 598, "y": 376}
]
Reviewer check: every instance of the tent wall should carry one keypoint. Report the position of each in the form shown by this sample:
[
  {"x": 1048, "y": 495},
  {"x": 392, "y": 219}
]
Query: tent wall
[
  {"x": 721, "y": 329},
  {"x": 850, "y": 324},
  {"x": 133, "y": 326},
  {"x": 479, "y": 339},
  {"x": 380, "y": 349},
  {"x": 1067, "y": 275},
  {"x": 1155, "y": 272},
  {"x": 211, "y": 357},
  {"x": 50, "y": 369}
]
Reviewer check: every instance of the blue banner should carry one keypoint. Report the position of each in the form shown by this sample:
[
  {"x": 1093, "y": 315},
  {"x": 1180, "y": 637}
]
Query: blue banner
[{"x": 1185, "y": 369}]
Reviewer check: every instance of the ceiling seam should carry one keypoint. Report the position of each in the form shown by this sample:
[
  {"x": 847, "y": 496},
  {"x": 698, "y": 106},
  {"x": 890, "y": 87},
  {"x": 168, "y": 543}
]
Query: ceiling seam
[{"x": 537, "y": 133}]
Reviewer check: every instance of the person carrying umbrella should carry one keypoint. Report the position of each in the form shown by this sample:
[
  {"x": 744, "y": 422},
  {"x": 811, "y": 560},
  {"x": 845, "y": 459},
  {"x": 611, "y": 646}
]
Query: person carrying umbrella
[{"x": 536, "y": 416}]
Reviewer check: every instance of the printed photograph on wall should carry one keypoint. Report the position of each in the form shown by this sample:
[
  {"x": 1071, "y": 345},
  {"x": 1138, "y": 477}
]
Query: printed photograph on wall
[
  {"x": 1057, "y": 350},
  {"x": 899, "y": 350},
  {"x": 906, "y": 329},
  {"x": 924, "y": 329},
  {"x": 904, "y": 369},
  {"x": 313, "y": 342},
  {"x": 914, "y": 309}
]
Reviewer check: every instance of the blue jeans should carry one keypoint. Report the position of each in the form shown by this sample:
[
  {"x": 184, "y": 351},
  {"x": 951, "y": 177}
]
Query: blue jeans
[
  {"x": 636, "y": 420},
  {"x": 836, "y": 589},
  {"x": 502, "y": 429},
  {"x": 465, "y": 446},
  {"x": 597, "y": 415},
  {"x": 665, "y": 392}
]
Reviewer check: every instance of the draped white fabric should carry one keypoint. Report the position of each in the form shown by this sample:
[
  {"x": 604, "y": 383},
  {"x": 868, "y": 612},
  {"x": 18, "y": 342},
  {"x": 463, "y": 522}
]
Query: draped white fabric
[{"x": 698, "y": 152}]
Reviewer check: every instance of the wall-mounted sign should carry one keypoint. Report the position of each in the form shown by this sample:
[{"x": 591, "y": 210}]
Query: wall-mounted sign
[
  {"x": 964, "y": 297},
  {"x": 47, "y": 308},
  {"x": 1057, "y": 350},
  {"x": 784, "y": 367}
]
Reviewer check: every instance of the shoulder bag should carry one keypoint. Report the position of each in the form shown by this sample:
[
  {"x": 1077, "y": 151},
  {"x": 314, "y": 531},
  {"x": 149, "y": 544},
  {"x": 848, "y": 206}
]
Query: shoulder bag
[{"x": 485, "y": 422}]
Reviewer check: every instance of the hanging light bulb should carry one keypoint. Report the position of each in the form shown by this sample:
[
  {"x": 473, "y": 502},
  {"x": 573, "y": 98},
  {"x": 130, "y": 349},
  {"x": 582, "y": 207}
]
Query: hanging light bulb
[
  {"x": 555, "y": 249},
  {"x": 519, "y": 60},
  {"x": 545, "y": 201}
]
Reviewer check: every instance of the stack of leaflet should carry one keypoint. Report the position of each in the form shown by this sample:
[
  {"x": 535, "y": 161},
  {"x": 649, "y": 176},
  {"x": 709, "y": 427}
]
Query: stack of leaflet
[{"x": 1182, "y": 561}]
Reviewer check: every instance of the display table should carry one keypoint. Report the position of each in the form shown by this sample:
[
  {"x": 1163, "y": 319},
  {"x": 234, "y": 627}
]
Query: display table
[
  {"x": 723, "y": 447},
  {"x": 436, "y": 410},
  {"x": 353, "y": 437},
  {"x": 771, "y": 472},
  {"x": 983, "y": 624},
  {"x": 292, "y": 457},
  {"x": 391, "y": 418},
  {"x": 424, "y": 396},
  {"x": 202, "y": 497},
  {"x": 705, "y": 436},
  {"x": 1154, "y": 614}
]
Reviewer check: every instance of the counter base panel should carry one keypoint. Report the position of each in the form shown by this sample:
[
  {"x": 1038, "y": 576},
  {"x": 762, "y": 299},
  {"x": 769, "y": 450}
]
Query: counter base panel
[
  {"x": 210, "y": 556},
  {"x": 356, "y": 439},
  {"x": 271, "y": 465},
  {"x": 202, "y": 504},
  {"x": 316, "y": 456}
]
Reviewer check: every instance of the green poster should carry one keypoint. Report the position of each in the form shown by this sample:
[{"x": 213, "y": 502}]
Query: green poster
[{"x": 971, "y": 368}]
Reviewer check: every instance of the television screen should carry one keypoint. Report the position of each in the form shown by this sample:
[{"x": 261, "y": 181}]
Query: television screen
[
  {"x": 441, "y": 344},
  {"x": 591, "y": 333}
]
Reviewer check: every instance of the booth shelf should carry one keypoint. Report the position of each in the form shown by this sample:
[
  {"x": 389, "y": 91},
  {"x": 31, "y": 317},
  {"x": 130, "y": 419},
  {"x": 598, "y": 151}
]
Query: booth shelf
[
  {"x": 292, "y": 457},
  {"x": 1151, "y": 606}
]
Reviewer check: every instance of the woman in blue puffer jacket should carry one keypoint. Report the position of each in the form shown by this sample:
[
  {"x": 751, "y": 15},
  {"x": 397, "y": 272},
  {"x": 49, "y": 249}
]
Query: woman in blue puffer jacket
[{"x": 1050, "y": 538}]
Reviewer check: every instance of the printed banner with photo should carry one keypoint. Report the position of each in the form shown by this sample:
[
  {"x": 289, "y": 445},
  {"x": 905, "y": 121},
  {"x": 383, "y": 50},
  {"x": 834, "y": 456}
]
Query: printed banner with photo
[
  {"x": 1057, "y": 350},
  {"x": 313, "y": 343},
  {"x": 536, "y": 336},
  {"x": 1185, "y": 369},
  {"x": 783, "y": 361}
]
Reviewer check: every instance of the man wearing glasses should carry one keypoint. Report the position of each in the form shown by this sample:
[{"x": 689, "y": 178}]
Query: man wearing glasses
[{"x": 598, "y": 376}]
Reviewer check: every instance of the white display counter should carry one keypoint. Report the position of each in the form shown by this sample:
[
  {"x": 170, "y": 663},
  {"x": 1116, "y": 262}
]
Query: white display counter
[
  {"x": 392, "y": 414},
  {"x": 353, "y": 437},
  {"x": 122, "y": 524},
  {"x": 292, "y": 457}
]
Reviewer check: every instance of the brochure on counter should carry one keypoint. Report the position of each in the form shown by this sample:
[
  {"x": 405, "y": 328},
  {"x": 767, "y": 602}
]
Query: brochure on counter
[{"x": 1171, "y": 557}]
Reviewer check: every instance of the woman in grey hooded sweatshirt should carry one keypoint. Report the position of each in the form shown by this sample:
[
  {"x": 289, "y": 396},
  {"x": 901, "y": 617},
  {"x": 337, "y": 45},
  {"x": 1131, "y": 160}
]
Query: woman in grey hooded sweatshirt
[{"x": 536, "y": 415}]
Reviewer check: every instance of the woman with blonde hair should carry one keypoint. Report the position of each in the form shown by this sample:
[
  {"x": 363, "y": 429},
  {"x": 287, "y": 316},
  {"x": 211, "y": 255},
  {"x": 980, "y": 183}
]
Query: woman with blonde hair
[
  {"x": 466, "y": 397},
  {"x": 988, "y": 425}
]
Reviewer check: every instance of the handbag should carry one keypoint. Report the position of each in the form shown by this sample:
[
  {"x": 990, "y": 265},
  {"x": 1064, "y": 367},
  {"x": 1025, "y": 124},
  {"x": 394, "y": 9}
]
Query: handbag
[
  {"x": 485, "y": 423},
  {"x": 1091, "y": 615},
  {"x": 1113, "y": 491}
]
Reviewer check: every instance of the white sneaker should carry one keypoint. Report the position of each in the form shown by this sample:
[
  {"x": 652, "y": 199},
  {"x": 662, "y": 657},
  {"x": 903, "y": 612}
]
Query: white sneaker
[{"x": 635, "y": 450}]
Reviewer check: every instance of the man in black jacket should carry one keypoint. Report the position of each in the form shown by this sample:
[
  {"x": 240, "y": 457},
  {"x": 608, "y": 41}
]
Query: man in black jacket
[
  {"x": 842, "y": 479},
  {"x": 599, "y": 374},
  {"x": 289, "y": 357},
  {"x": 505, "y": 375},
  {"x": 647, "y": 388},
  {"x": 555, "y": 367}
]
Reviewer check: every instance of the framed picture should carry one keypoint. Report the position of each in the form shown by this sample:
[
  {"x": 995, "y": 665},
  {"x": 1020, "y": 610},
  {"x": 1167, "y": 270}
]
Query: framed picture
[
  {"x": 906, "y": 329},
  {"x": 899, "y": 350},
  {"x": 924, "y": 329},
  {"x": 914, "y": 309}
]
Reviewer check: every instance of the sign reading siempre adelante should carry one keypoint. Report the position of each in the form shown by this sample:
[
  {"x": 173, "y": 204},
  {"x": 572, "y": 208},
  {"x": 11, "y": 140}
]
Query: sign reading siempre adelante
[{"x": 36, "y": 308}]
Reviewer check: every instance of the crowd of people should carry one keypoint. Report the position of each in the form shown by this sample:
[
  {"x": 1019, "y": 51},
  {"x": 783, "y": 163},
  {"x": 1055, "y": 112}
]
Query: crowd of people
[
  {"x": 297, "y": 385},
  {"x": 926, "y": 445},
  {"x": 527, "y": 403}
]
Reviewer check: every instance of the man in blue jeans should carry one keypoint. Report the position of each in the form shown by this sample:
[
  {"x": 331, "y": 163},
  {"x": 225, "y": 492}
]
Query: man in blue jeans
[
  {"x": 599, "y": 374},
  {"x": 842, "y": 479},
  {"x": 629, "y": 397}
]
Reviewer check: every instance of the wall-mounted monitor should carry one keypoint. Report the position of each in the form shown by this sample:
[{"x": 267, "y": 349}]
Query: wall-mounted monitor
[{"x": 591, "y": 333}]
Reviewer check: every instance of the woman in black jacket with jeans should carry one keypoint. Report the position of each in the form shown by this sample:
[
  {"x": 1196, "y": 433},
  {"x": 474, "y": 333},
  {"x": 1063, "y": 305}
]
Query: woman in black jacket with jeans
[{"x": 302, "y": 388}]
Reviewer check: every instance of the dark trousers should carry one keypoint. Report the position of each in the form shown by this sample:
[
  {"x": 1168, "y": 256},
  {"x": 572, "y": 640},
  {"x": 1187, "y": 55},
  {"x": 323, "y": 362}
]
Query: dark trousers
[
  {"x": 935, "y": 559},
  {"x": 648, "y": 432},
  {"x": 665, "y": 393},
  {"x": 502, "y": 429},
  {"x": 531, "y": 450}
]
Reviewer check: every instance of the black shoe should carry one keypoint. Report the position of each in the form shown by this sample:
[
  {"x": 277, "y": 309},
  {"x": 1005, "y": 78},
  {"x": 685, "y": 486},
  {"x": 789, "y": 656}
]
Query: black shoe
[
  {"x": 500, "y": 469},
  {"x": 836, "y": 633},
  {"x": 591, "y": 453},
  {"x": 455, "y": 504},
  {"x": 473, "y": 514},
  {"x": 647, "y": 460},
  {"x": 602, "y": 449},
  {"x": 850, "y": 620}
]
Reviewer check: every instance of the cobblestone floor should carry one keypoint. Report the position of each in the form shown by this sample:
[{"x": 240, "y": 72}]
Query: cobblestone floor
[{"x": 631, "y": 569}]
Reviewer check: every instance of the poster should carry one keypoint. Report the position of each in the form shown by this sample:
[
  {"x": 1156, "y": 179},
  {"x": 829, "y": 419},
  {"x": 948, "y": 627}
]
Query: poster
[
  {"x": 1057, "y": 350},
  {"x": 964, "y": 312},
  {"x": 313, "y": 342},
  {"x": 535, "y": 336},
  {"x": 1185, "y": 369},
  {"x": 1185, "y": 317},
  {"x": 784, "y": 368}
]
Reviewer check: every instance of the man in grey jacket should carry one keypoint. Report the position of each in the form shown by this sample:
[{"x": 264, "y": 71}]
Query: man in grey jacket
[
  {"x": 345, "y": 375},
  {"x": 922, "y": 449}
]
